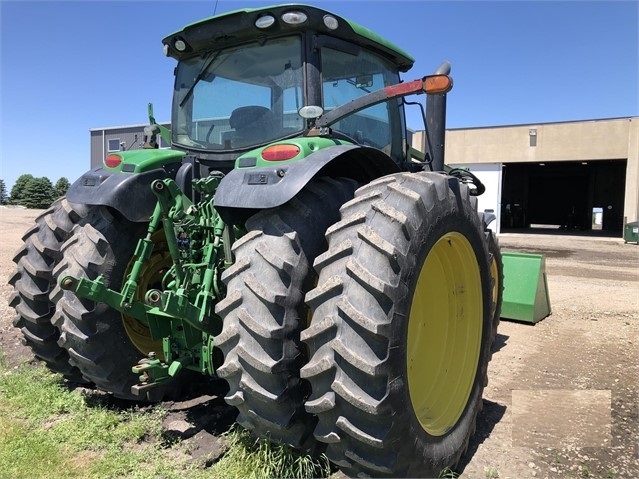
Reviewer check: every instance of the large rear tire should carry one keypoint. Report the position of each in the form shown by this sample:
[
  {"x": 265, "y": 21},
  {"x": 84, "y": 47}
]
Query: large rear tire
[
  {"x": 264, "y": 311},
  {"x": 101, "y": 342},
  {"x": 401, "y": 328},
  {"x": 33, "y": 282}
]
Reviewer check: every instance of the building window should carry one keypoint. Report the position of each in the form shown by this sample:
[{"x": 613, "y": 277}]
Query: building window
[
  {"x": 532, "y": 133},
  {"x": 113, "y": 145}
]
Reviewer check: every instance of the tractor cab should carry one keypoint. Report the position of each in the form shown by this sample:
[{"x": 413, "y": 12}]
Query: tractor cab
[{"x": 243, "y": 78}]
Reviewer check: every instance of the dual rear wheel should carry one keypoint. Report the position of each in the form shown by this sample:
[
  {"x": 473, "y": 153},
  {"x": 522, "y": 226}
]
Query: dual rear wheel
[
  {"x": 391, "y": 367},
  {"x": 86, "y": 341}
]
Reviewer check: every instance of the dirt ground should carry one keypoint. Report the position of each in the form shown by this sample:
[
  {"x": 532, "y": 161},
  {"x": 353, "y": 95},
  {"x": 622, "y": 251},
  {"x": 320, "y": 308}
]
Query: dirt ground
[{"x": 563, "y": 394}]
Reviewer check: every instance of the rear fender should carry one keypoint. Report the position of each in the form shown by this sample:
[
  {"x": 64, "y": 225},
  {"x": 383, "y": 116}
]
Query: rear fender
[
  {"x": 124, "y": 182},
  {"x": 245, "y": 190},
  {"x": 130, "y": 194}
]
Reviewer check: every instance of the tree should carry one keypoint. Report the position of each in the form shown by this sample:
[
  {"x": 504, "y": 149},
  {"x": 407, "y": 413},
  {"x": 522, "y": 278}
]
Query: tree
[
  {"x": 39, "y": 193},
  {"x": 18, "y": 190},
  {"x": 61, "y": 187},
  {"x": 3, "y": 193},
  {"x": 32, "y": 192}
]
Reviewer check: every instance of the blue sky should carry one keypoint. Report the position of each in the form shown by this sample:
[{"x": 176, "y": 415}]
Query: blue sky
[{"x": 66, "y": 67}]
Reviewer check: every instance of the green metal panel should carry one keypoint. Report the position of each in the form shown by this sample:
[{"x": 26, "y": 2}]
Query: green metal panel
[
  {"x": 307, "y": 147},
  {"x": 525, "y": 287}
]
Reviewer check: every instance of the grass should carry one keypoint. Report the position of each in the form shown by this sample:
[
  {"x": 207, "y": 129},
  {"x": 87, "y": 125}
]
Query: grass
[
  {"x": 491, "y": 472},
  {"x": 48, "y": 431},
  {"x": 251, "y": 459}
]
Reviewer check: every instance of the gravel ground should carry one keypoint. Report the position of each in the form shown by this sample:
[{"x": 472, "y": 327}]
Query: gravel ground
[{"x": 562, "y": 399}]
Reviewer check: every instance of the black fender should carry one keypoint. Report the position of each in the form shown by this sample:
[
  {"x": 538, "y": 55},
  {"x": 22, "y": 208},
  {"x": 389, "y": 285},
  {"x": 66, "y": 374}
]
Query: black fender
[
  {"x": 130, "y": 194},
  {"x": 245, "y": 190}
]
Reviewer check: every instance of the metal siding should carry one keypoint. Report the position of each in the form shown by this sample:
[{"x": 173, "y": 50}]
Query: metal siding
[
  {"x": 96, "y": 149},
  {"x": 132, "y": 137}
]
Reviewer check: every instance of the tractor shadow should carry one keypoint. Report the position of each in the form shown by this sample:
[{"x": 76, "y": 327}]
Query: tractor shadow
[
  {"x": 488, "y": 417},
  {"x": 499, "y": 343}
]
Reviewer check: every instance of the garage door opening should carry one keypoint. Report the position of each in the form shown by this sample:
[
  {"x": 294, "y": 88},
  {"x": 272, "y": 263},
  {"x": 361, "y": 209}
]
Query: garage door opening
[{"x": 578, "y": 197}]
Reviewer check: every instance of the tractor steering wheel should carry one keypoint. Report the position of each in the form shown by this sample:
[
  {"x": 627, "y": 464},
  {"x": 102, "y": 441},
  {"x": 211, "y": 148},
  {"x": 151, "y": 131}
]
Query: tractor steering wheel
[{"x": 362, "y": 141}]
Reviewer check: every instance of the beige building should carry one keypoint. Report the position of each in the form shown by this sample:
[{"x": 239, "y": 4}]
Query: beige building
[
  {"x": 581, "y": 175},
  {"x": 573, "y": 175}
]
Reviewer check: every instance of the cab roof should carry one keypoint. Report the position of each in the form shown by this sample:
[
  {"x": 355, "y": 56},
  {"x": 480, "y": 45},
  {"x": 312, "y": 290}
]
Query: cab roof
[{"x": 239, "y": 26}]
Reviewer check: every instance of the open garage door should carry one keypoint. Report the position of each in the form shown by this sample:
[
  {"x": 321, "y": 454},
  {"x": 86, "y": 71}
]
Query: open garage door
[{"x": 567, "y": 195}]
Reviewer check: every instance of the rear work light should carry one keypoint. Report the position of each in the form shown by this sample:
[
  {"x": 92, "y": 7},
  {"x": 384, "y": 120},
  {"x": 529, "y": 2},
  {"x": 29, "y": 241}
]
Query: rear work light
[
  {"x": 113, "y": 161},
  {"x": 331, "y": 22},
  {"x": 280, "y": 152},
  {"x": 265, "y": 21},
  {"x": 294, "y": 18}
]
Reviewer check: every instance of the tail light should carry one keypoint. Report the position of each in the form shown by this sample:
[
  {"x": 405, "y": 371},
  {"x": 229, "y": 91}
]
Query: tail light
[
  {"x": 113, "y": 161},
  {"x": 280, "y": 152}
]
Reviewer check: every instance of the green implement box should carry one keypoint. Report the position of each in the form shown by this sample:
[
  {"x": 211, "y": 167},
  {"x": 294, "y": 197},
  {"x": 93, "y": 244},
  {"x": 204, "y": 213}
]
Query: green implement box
[
  {"x": 525, "y": 287},
  {"x": 631, "y": 232}
]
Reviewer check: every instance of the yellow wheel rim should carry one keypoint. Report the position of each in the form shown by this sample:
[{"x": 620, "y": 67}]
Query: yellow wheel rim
[
  {"x": 444, "y": 334},
  {"x": 150, "y": 277}
]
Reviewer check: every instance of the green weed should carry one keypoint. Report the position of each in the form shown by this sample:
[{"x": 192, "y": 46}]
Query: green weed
[
  {"x": 491, "y": 472},
  {"x": 251, "y": 459},
  {"x": 448, "y": 474},
  {"x": 585, "y": 471}
]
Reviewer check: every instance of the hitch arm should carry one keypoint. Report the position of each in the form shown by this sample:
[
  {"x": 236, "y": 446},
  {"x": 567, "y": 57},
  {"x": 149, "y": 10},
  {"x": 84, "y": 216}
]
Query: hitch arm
[{"x": 97, "y": 291}]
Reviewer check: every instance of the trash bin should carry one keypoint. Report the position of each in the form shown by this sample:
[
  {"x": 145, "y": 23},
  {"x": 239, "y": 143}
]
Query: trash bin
[{"x": 631, "y": 232}]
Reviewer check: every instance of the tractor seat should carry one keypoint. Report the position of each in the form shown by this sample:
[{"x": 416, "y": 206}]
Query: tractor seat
[
  {"x": 249, "y": 117},
  {"x": 250, "y": 125}
]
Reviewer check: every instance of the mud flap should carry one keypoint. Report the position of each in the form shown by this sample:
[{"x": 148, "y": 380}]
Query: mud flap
[{"x": 526, "y": 295}]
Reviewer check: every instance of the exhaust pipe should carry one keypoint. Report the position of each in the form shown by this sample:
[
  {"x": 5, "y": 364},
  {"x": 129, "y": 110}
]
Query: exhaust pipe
[{"x": 436, "y": 122}]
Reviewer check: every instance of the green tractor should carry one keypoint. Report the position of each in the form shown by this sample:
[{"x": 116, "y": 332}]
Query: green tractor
[{"x": 291, "y": 241}]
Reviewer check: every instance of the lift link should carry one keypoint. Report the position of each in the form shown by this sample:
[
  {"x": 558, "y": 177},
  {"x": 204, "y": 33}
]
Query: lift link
[{"x": 142, "y": 253}]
